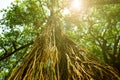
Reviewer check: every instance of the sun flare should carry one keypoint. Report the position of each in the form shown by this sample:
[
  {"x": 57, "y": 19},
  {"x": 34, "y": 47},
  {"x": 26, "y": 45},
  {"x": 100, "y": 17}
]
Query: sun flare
[
  {"x": 76, "y": 5},
  {"x": 66, "y": 11},
  {"x": 73, "y": 6}
]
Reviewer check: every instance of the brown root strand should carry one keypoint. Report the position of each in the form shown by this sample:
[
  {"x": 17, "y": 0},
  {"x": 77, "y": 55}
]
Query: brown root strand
[{"x": 56, "y": 57}]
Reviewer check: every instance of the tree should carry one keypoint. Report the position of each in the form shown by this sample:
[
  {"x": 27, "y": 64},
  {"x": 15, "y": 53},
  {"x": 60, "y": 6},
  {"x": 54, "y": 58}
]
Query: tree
[
  {"x": 54, "y": 55},
  {"x": 102, "y": 33},
  {"x": 99, "y": 30}
]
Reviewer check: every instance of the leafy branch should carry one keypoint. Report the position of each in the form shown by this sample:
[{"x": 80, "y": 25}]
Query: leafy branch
[{"x": 8, "y": 54}]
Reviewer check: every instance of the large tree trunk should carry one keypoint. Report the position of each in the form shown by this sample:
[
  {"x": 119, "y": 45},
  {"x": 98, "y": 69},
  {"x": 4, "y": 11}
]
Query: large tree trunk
[{"x": 56, "y": 57}]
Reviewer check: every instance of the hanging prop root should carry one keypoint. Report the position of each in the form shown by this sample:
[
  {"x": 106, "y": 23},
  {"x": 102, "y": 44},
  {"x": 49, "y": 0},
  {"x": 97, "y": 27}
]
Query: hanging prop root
[{"x": 56, "y": 57}]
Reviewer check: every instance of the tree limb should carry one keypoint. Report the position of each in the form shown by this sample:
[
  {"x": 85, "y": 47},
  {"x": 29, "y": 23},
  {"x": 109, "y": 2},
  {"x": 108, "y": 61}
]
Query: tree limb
[
  {"x": 16, "y": 50},
  {"x": 107, "y": 2}
]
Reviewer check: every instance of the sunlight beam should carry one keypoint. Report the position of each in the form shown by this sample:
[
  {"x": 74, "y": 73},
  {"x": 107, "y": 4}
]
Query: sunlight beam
[
  {"x": 76, "y": 5},
  {"x": 66, "y": 11}
]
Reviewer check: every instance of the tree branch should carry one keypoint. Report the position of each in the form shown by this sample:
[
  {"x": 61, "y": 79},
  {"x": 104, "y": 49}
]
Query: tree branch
[
  {"x": 116, "y": 44},
  {"x": 16, "y": 50},
  {"x": 104, "y": 2}
]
